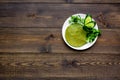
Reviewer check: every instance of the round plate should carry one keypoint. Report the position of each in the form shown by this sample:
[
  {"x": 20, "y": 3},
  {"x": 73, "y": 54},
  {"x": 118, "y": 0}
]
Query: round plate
[{"x": 66, "y": 24}]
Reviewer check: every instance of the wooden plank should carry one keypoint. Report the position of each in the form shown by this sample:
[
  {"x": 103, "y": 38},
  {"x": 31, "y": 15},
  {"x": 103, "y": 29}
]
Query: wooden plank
[
  {"x": 54, "y": 15},
  {"x": 49, "y": 40},
  {"x": 96, "y": 1},
  {"x": 28, "y": 1},
  {"x": 61, "y": 1},
  {"x": 59, "y": 65},
  {"x": 60, "y": 78}
]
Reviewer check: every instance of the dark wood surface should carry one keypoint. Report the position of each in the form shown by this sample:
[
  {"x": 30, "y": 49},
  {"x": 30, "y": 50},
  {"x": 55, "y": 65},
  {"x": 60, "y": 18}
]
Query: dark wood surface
[{"x": 32, "y": 48}]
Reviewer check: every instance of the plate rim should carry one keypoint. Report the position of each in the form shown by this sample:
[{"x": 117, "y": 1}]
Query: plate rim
[{"x": 64, "y": 27}]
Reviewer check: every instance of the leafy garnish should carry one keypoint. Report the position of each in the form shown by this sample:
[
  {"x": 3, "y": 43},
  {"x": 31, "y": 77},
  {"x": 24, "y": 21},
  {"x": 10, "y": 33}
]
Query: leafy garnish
[
  {"x": 88, "y": 25},
  {"x": 76, "y": 19},
  {"x": 92, "y": 33}
]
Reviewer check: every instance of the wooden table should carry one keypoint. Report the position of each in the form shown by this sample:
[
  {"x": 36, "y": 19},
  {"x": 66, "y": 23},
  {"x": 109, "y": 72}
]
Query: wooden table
[{"x": 32, "y": 48}]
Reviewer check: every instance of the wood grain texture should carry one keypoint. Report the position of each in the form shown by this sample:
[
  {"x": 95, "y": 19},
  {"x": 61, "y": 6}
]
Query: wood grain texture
[
  {"x": 61, "y": 1},
  {"x": 61, "y": 78},
  {"x": 32, "y": 48},
  {"x": 50, "y": 40},
  {"x": 96, "y": 1},
  {"x": 54, "y": 15},
  {"x": 59, "y": 65}
]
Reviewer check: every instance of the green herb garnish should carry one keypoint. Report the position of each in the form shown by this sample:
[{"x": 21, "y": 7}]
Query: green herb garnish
[{"x": 88, "y": 25}]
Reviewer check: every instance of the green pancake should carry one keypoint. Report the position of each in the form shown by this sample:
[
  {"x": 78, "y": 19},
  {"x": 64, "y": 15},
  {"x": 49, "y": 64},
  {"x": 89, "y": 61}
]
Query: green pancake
[{"x": 75, "y": 35}]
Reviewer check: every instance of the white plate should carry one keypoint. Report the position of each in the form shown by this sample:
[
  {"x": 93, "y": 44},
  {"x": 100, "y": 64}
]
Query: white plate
[{"x": 66, "y": 24}]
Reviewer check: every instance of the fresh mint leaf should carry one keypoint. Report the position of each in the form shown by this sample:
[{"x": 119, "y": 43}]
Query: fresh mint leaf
[
  {"x": 76, "y": 19},
  {"x": 92, "y": 33}
]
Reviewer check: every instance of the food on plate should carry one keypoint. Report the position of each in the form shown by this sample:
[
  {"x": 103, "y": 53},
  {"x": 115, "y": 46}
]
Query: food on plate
[{"x": 81, "y": 30}]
